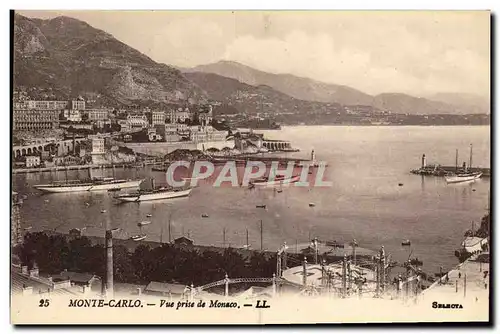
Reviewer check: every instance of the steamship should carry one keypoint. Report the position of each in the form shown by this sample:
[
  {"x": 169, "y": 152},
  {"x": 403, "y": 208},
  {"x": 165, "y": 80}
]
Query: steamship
[
  {"x": 155, "y": 193},
  {"x": 95, "y": 184}
]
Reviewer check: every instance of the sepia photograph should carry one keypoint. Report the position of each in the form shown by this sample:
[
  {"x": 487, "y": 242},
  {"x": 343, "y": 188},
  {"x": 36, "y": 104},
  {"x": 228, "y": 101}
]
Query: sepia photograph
[{"x": 250, "y": 167}]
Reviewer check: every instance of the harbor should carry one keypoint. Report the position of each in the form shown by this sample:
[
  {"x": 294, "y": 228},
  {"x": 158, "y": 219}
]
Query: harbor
[{"x": 288, "y": 213}]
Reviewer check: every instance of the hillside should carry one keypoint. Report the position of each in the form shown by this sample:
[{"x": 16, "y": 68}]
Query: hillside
[
  {"x": 406, "y": 104},
  {"x": 297, "y": 87},
  {"x": 260, "y": 99},
  {"x": 467, "y": 102},
  {"x": 311, "y": 90},
  {"x": 68, "y": 57}
]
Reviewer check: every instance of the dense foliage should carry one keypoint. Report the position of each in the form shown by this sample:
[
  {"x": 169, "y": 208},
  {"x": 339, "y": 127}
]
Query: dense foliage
[{"x": 166, "y": 263}]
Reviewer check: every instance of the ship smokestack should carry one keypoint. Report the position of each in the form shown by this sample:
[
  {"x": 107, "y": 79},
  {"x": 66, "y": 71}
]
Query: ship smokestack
[
  {"x": 313, "y": 156},
  {"x": 424, "y": 161}
]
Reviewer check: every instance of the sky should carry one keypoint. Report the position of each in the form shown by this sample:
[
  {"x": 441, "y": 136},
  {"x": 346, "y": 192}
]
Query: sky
[{"x": 418, "y": 53}]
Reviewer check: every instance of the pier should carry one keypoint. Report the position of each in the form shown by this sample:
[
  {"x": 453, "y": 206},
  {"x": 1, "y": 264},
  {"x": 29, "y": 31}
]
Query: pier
[{"x": 439, "y": 170}]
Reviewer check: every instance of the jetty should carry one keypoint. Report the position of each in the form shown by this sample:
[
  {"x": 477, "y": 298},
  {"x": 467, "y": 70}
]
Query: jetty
[{"x": 439, "y": 170}]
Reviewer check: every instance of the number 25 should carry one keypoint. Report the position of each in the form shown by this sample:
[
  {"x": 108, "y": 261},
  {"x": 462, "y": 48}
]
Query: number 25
[{"x": 43, "y": 303}]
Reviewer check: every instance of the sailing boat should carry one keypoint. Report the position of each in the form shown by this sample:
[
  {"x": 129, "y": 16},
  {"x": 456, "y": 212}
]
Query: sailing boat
[
  {"x": 466, "y": 175},
  {"x": 140, "y": 236}
]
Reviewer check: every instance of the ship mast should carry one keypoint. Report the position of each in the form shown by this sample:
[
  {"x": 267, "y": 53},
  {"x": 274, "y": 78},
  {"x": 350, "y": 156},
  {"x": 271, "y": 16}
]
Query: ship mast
[
  {"x": 261, "y": 231},
  {"x": 470, "y": 159},
  {"x": 456, "y": 160}
]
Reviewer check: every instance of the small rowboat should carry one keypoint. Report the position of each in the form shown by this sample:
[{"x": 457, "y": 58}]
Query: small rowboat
[{"x": 138, "y": 237}]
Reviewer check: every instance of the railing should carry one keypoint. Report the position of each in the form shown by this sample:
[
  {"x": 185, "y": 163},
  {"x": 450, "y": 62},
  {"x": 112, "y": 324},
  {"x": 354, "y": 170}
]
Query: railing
[{"x": 237, "y": 281}]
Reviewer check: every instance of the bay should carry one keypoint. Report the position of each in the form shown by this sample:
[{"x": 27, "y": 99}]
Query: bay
[{"x": 365, "y": 201}]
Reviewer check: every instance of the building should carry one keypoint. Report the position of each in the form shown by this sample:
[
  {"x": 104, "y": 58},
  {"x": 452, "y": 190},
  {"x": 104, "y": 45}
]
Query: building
[
  {"x": 124, "y": 125},
  {"x": 72, "y": 115},
  {"x": 183, "y": 241},
  {"x": 179, "y": 116},
  {"x": 95, "y": 115},
  {"x": 168, "y": 132},
  {"x": 137, "y": 121},
  {"x": 32, "y": 161},
  {"x": 205, "y": 115},
  {"x": 47, "y": 105},
  {"x": 80, "y": 279},
  {"x": 29, "y": 119},
  {"x": 96, "y": 145},
  {"x": 157, "y": 117},
  {"x": 28, "y": 282},
  {"x": 206, "y": 133},
  {"x": 78, "y": 104},
  {"x": 170, "y": 290}
]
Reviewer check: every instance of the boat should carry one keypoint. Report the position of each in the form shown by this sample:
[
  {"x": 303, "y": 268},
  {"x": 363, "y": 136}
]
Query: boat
[
  {"x": 261, "y": 206},
  {"x": 204, "y": 215},
  {"x": 155, "y": 194},
  {"x": 278, "y": 180},
  {"x": 466, "y": 175},
  {"x": 159, "y": 169},
  {"x": 138, "y": 237},
  {"x": 95, "y": 184},
  {"x": 406, "y": 243},
  {"x": 103, "y": 211},
  {"x": 312, "y": 205},
  {"x": 400, "y": 184},
  {"x": 144, "y": 223},
  {"x": 463, "y": 177},
  {"x": 149, "y": 215}
]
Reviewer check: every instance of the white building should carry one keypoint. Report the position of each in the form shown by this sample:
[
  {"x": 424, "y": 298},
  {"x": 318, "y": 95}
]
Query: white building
[
  {"x": 77, "y": 104},
  {"x": 206, "y": 133},
  {"x": 137, "y": 121},
  {"x": 98, "y": 114},
  {"x": 157, "y": 117},
  {"x": 32, "y": 161},
  {"x": 73, "y": 115},
  {"x": 47, "y": 105},
  {"x": 96, "y": 145}
]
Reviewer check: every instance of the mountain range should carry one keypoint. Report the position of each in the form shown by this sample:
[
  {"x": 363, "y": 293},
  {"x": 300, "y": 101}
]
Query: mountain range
[
  {"x": 71, "y": 58},
  {"x": 311, "y": 90}
]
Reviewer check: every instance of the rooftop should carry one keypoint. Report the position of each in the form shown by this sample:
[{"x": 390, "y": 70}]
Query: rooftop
[{"x": 165, "y": 287}]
